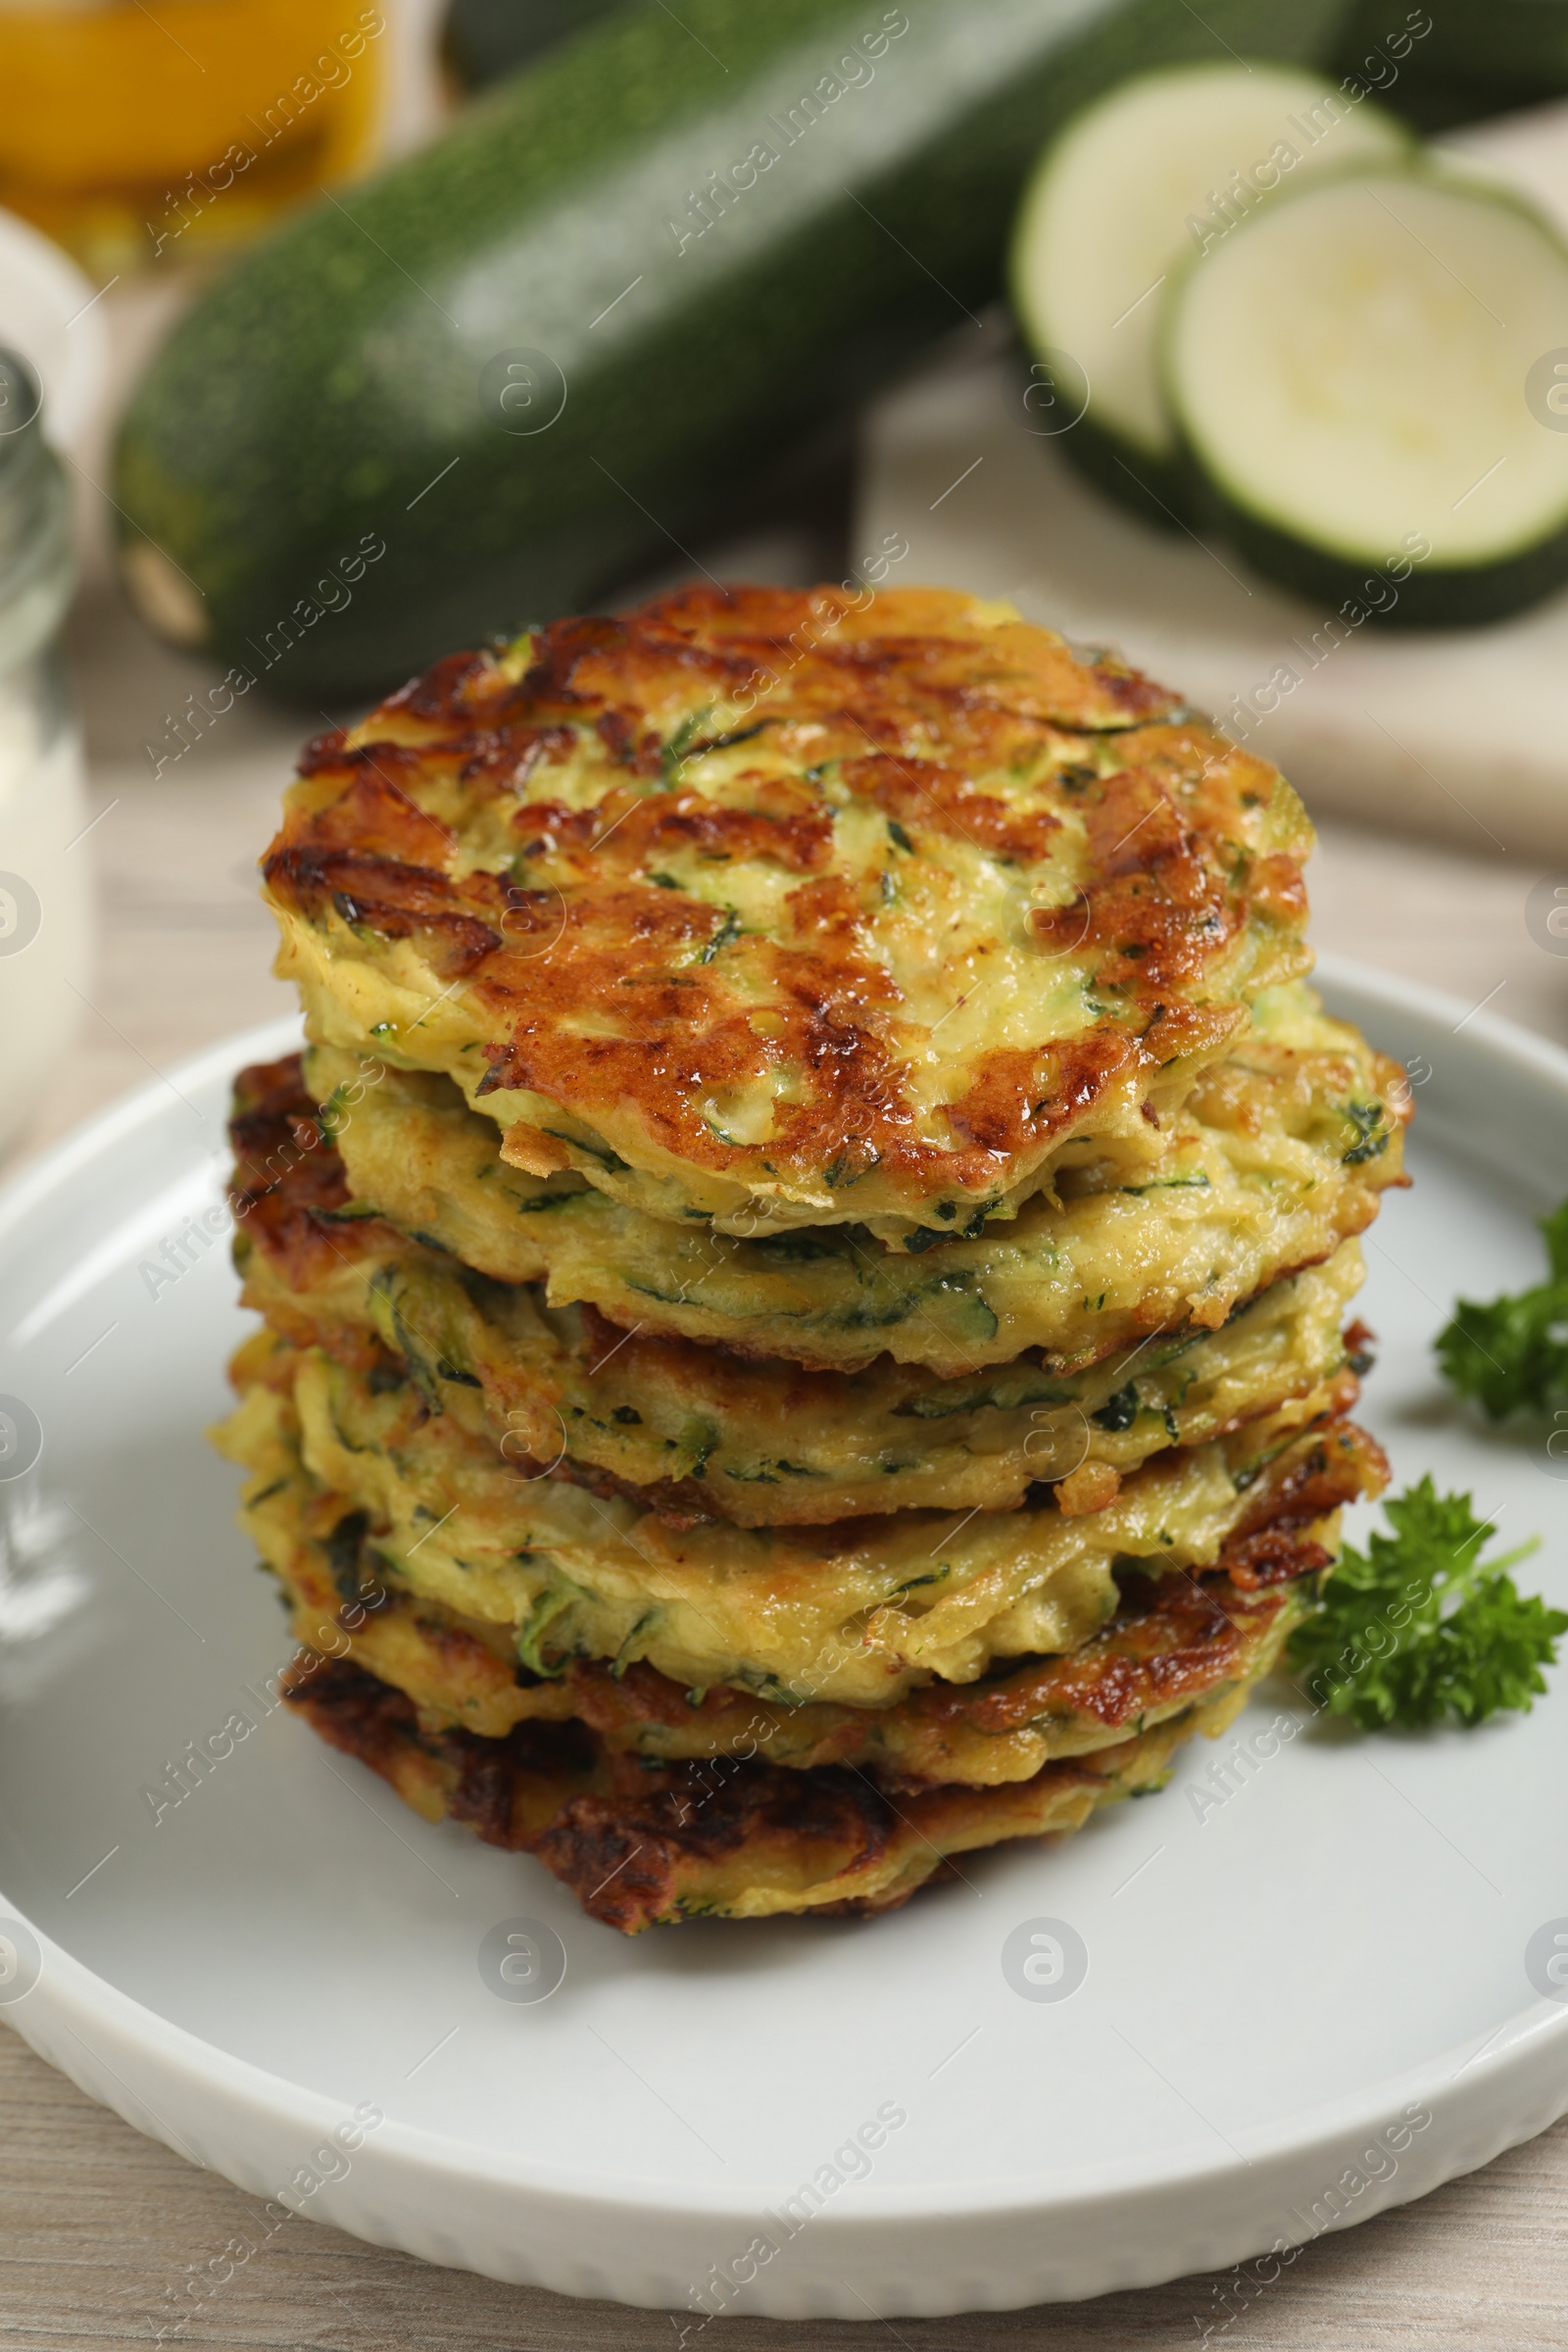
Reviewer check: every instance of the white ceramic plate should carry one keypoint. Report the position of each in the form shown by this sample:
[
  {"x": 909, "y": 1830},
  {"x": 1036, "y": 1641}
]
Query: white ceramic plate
[{"x": 1302, "y": 2004}]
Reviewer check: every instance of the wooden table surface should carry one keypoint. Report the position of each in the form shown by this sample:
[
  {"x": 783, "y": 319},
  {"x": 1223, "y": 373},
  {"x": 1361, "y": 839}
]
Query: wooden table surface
[{"x": 100, "y": 2228}]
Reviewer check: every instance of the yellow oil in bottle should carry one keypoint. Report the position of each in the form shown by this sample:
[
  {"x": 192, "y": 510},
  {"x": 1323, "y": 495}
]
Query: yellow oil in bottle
[{"x": 133, "y": 132}]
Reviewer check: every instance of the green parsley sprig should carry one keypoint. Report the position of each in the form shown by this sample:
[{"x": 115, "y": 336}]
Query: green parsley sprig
[
  {"x": 1419, "y": 1627},
  {"x": 1511, "y": 1353}
]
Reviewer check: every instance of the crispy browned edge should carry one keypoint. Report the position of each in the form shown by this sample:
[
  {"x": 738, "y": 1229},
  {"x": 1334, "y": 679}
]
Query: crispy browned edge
[
  {"x": 641, "y": 1843},
  {"x": 643, "y": 1848},
  {"x": 1173, "y": 1638},
  {"x": 289, "y": 1181}
]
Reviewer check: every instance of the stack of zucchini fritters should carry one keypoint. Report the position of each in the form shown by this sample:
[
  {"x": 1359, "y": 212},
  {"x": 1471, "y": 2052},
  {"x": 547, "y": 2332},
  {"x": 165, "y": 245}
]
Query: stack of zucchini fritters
[{"x": 805, "y": 1265}]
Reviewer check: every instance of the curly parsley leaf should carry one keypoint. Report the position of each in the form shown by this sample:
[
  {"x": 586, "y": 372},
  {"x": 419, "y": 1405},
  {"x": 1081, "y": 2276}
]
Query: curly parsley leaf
[
  {"x": 1511, "y": 1353},
  {"x": 1419, "y": 1627}
]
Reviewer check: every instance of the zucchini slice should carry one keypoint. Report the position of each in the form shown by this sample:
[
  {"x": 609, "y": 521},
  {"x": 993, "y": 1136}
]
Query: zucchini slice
[
  {"x": 1364, "y": 378},
  {"x": 1162, "y": 168}
]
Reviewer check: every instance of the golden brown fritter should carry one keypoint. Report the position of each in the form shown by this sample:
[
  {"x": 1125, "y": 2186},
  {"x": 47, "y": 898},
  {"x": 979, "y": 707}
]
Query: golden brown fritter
[
  {"x": 860, "y": 1612},
  {"x": 766, "y": 905},
  {"x": 643, "y": 1847},
  {"x": 699, "y": 1433},
  {"x": 1280, "y": 1154},
  {"x": 1172, "y": 1641}
]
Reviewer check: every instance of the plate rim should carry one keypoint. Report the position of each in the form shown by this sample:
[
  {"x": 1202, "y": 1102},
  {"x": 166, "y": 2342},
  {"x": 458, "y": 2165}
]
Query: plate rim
[
  {"x": 1040, "y": 2195},
  {"x": 28, "y": 1186}
]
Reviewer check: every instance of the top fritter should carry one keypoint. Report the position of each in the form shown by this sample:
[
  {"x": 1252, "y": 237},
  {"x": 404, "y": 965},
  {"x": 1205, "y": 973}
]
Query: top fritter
[{"x": 782, "y": 908}]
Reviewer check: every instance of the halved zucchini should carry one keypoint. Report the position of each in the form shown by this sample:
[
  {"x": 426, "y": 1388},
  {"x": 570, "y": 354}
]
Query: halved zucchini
[
  {"x": 1164, "y": 168},
  {"x": 1362, "y": 378}
]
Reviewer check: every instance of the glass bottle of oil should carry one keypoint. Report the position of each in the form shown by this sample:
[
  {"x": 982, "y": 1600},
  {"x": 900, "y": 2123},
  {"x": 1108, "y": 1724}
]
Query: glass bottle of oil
[{"x": 130, "y": 132}]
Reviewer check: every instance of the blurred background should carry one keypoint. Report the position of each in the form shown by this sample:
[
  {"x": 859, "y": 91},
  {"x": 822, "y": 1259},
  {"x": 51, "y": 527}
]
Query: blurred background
[{"x": 558, "y": 302}]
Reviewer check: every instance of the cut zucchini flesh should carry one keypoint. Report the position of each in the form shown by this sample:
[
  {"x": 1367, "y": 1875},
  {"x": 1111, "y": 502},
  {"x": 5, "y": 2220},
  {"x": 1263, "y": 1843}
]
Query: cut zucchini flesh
[
  {"x": 1354, "y": 374},
  {"x": 1163, "y": 168}
]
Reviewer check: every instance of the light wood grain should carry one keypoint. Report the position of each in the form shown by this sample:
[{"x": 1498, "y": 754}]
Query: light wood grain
[
  {"x": 105, "y": 2237},
  {"x": 103, "y": 2233}
]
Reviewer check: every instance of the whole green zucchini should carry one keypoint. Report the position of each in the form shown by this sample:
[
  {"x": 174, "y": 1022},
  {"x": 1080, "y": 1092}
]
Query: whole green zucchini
[
  {"x": 532, "y": 359},
  {"x": 1458, "y": 61},
  {"x": 484, "y": 40}
]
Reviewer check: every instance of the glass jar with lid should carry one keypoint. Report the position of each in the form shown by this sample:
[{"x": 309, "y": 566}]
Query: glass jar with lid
[{"x": 45, "y": 878}]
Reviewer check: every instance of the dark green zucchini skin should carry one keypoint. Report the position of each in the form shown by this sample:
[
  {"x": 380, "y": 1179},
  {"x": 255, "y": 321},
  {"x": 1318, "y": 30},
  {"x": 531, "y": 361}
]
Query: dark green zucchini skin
[
  {"x": 324, "y": 398},
  {"x": 484, "y": 40},
  {"x": 1475, "y": 56},
  {"x": 1430, "y": 595},
  {"x": 1155, "y": 489}
]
